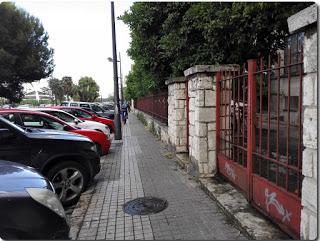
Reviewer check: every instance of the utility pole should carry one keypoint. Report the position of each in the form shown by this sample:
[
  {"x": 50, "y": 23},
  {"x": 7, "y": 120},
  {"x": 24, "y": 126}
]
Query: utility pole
[
  {"x": 121, "y": 79},
  {"x": 117, "y": 120}
]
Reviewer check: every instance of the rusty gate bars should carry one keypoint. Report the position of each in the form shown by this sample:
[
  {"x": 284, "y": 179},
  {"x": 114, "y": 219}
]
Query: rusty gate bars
[
  {"x": 299, "y": 120},
  {"x": 252, "y": 66},
  {"x": 288, "y": 115},
  {"x": 260, "y": 112},
  {"x": 218, "y": 88},
  {"x": 268, "y": 127},
  {"x": 155, "y": 105}
]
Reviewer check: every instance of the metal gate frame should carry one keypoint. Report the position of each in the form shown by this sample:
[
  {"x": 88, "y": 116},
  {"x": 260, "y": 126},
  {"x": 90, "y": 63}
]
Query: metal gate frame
[{"x": 273, "y": 200}]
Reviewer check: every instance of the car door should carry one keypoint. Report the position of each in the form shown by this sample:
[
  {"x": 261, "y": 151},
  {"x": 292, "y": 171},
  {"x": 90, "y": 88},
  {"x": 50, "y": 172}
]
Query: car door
[{"x": 14, "y": 145}]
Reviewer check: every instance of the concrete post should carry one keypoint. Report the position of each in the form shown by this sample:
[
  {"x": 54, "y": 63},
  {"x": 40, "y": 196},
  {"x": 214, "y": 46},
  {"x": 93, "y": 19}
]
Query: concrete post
[
  {"x": 202, "y": 119},
  {"x": 306, "y": 21},
  {"x": 177, "y": 121}
]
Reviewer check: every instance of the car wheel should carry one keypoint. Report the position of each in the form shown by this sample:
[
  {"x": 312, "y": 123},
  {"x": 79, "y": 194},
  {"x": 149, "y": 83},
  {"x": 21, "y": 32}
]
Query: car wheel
[
  {"x": 69, "y": 180},
  {"x": 99, "y": 149}
]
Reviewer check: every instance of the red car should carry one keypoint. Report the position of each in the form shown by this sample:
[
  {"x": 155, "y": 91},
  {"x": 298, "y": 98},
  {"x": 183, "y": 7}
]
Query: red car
[
  {"x": 87, "y": 115},
  {"x": 35, "y": 119}
]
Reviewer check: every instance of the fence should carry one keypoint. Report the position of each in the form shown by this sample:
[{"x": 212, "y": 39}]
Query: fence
[
  {"x": 260, "y": 141},
  {"x": 155, "y": 105}
]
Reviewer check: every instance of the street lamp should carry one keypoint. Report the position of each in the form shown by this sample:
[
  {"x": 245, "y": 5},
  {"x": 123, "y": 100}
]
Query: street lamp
[
  {"x": 120, "y": 77},
  {"x": 118, "y": 133}
]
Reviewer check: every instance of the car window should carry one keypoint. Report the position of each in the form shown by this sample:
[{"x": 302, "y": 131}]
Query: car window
[
  {"x": 29, "y": 120},
  {"x": 63, "y": 116},
  {"x": 81, "y": 114},
  {"x": 64, "y": 104},
  {"x": 96, "y": 108},
  {"x": 74, "y": 104},
  {"x": 9, "y": 117},
  {"x": 38, "y": 121},
  {"x": 85, "y": 105}
]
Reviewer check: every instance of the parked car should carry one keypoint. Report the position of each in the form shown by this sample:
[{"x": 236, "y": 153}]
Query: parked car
[
  {"x": 70, "y": 161},
  {"x": 35, "y": 119},
  {"x": 76, "y": 122},
  {"x": 90, "y": 107},
  {"x": 87, "y": 115},
  {"x": 30, "y": 209}
]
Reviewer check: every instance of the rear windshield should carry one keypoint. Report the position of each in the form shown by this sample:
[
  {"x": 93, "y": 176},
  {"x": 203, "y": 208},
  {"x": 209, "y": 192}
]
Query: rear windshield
[
  {"x": 63, "y": 116},
  {"x": 78, "y": 113}
]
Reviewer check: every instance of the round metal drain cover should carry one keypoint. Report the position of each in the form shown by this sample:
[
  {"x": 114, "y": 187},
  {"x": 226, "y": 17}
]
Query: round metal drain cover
[{"x": 145, "y": 206}]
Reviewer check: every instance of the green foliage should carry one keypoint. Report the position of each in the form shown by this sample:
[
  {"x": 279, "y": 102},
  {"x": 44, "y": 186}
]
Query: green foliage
[
  {"x": 87, "y": 89},
  {"x": 70, "y": 89},
  {"x": 35, "y": 102},
  {"x": 24, "y": 53},
  {"x": 57, "y": 88},
  {"x": 142, "y": 119},
  {"x": 169, "y": 37}
]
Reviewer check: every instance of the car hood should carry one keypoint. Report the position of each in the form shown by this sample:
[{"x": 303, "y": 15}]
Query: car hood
[
  {"x": 55, "y": 135},
  {"x": 92, "y": 125},
  {"x": 15, "y": 177}
]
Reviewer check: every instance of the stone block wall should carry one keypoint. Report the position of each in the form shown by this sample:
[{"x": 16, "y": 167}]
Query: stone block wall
[
  {"x": 202, "y": 116},
  {"x": 177, "y": 122},
  {"x": 306, "y": 21}
]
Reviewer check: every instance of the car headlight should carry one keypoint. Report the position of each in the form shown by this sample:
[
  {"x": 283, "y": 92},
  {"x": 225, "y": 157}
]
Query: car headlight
[
  {"x": 94, "y": 148},
  {"x": 48, "y": 199},
  {"x": 107, "y": 129}
]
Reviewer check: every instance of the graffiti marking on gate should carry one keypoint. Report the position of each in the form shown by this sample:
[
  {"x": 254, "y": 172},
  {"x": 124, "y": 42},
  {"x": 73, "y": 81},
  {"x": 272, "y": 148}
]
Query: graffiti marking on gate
[
  {"x": 230, "y": 171},
  {"x": 271, "y": 199}
]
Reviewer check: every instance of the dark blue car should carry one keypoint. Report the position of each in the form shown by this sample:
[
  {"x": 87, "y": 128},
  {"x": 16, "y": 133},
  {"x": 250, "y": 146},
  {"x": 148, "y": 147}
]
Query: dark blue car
[{"x": 29, "y": 207}]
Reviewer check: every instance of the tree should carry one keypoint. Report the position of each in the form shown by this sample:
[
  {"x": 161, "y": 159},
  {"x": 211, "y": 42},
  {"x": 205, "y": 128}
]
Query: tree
[
  {"x": 24, "y": 53},
  {"x": 70, "y": 89},
  {"x": 48, "y": 91},
  {"x": 169, "y": 37},
  {"x": 57, "y": 88},
  {"x": 87, "y": 89}
]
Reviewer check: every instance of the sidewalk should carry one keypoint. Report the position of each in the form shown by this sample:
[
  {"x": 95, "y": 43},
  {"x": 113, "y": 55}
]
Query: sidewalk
[{"x": 141, "y": 166}]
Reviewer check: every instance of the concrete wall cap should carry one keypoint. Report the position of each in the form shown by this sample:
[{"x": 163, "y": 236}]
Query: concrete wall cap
[
  {"x": 180, "y": 79},
  {"x": 210, "y": 68},
  {"x": 303, "y": 18}
]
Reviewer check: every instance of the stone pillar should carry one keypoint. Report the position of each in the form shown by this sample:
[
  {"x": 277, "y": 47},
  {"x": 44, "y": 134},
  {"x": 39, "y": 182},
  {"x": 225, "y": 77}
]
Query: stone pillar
[
  {"x": 202, "y": 116},
  {"x": 177, "y": 121},
  {"x": 306, "y": 21}
]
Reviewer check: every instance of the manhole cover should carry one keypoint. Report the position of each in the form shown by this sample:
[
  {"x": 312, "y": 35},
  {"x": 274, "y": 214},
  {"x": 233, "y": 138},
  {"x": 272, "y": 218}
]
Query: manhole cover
[{"x": 145, "y": 206}]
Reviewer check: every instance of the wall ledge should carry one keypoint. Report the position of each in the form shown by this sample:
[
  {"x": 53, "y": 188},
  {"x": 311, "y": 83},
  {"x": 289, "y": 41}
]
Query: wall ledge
[
  {"x": 210, "y": 69},
  {"x": 303, "y": 18}
]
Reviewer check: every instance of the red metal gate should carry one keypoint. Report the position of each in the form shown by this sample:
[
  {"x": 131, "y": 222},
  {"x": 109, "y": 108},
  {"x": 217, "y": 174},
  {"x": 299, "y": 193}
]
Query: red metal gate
[{"x": 259, "y": 142}]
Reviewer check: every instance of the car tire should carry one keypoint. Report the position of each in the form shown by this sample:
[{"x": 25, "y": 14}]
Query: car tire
[{"x": 69, "y": 179}]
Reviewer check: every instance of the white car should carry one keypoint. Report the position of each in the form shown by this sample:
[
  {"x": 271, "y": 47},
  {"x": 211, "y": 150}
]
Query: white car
[{"x": 76, "y": 122}]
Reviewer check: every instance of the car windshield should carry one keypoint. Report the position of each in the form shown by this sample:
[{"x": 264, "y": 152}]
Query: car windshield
[
  {"x": 78, "y": 113},
  {"x": 96, "y": 108},
  {"x": 63, "y": 116},
  {"x": 5, "y": 123}
]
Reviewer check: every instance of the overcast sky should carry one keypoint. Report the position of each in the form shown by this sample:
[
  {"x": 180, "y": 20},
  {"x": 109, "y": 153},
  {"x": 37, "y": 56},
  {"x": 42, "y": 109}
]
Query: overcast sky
[{"x": 80, "y": 34}]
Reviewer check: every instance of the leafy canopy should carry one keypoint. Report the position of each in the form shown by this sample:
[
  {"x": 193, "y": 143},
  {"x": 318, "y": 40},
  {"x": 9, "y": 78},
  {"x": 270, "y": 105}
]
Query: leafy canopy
[
  {"x": 24, "y": 53},
  {"x": 88, "y": 89},
  {"x": 169, "y": 37}
]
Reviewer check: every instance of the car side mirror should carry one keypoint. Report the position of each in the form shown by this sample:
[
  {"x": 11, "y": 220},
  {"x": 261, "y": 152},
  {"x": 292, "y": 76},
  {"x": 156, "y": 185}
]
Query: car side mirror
[
  {"x": 6, "y": 135},
  {"x": 66, "y": 128},
  {"x": 94, "y": 116},
  {"x": 76, "y": 121}
]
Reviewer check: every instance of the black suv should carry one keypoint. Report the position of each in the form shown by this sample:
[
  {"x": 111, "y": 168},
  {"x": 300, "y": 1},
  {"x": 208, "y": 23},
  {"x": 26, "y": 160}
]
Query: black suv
[{"x": 70, "y": 161}]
